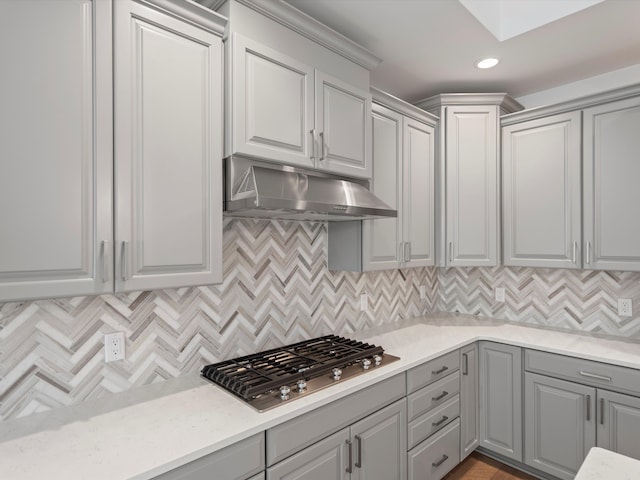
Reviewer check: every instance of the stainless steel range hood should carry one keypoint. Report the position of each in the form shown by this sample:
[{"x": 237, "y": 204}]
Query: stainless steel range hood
[{"x": 265, "y": 190}]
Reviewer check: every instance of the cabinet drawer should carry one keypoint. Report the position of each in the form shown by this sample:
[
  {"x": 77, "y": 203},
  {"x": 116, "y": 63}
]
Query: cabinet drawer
[
  {"x": 235, "y": 462},
  {"x": 435, "y": 457},
  {"x": 432, "y": 421},
  {"x": 587, "y": 372},
  {"x": 433, "y": 370},
  {"x": 435, "y": 394},
  {"x": 292, "y": 436}
]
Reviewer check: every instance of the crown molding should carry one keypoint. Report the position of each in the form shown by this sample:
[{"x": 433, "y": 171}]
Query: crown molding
[
  {"x": 300, "y": 22},
  {"x": 397, "y": 104},
  {"x": 506, "y": 103},
  {"x": 572, "y": 105},
  {"x": 191, "y": 12}
]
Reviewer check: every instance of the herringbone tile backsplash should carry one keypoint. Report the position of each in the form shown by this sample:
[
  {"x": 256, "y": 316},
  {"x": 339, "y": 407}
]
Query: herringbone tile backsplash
[{"x": 277, "y": 290}]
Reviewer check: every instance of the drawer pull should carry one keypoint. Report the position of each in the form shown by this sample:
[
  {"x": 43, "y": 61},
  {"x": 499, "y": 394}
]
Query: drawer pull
[
  {"x": 595, "y": 375},
  {"x": 440, "y": 422},
  {"x": 441, "y": 396},
  {"x": 349, "y": 457},
  {"x": 438, "y": 372},
  {"x": 441, "y": 461}
]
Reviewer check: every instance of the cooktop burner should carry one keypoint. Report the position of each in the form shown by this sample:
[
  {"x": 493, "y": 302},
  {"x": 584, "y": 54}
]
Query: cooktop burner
[{"x": 267, "y": 379}]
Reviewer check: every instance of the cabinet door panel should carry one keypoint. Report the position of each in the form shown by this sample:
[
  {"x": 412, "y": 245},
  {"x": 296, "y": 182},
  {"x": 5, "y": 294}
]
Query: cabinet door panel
[
  {"x": 501, "y": 399},
  {"x": 343, "y": 115},
  {"x": 541, "y": 178},
  {"x": 272, "y": 104},
  {"x": 380, "y": 444},
  {"x": 419, "y": 185},
  {"x": 469, "y": 418},
  {"x": 559, "y": 424},
  {"x": 619, "y": 423},
  {"x": 55, "y": 193},
  {"x": 325, "y": 460},
  {"x": 472, "y": 185},
  {"x": 381, "y": 237},
  {"x": 611, "y": 170},
  {"x": 168, "y": 151}
]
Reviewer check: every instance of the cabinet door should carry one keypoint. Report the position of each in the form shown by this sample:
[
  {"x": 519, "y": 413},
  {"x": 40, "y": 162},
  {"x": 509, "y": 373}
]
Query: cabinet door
[
  {"x": 619, "y": 423},
  {"x": 272, "y": 104},
  {"x": 380, "y": 444},
  {"x": 471, "y": 152},
  {"x": 542, "y": 192},
  {"x": 55, "y": 148},
  {"x": 559, "y": 424},
  {"x": 469, "y": 418},
  {"x": 611, "y": 172},
  {"x": 382, "y": 237},
  {"x": 343, "y": 122},
  {"x": 418, "y": 208},
  {"x": 501, "y": 399},
  {"x": 325, "y": 460},
  {"x": 168, "y": 117}
]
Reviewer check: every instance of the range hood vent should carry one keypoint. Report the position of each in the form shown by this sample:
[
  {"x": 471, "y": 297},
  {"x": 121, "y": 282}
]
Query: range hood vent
[{"x": 260, "y": 189}]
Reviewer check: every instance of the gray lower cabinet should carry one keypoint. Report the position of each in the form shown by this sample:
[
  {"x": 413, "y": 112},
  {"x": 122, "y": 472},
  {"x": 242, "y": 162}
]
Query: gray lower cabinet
[
  {"x": 371, "y": 449},
  {"x": 501, "y": 399},
  {"x": 437, "y": 455},
  {"x": 236, "y": 462},
  {"x": 619, "y": 423},
  {"x": 559, "y": 424},
  {"x": 469, "y": 418}
]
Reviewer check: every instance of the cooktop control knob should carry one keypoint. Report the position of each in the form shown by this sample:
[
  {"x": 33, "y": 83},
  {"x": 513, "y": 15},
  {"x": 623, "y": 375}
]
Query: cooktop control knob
[
  {"x": 302, "y": 386},
  {"x": 377, "y": 359},
  {"x": 337, "y": 373},
  {"x": 366, "y": 363},
  {"x": 284, "y": 392}
]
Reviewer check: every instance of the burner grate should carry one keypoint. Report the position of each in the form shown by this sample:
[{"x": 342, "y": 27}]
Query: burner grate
[{"x": 253, "y": 375}]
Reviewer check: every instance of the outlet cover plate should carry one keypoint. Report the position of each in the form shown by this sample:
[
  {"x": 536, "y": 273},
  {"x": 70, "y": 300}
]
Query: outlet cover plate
[
  {"x": 114, "y": 347},
  {"x": 500, "y": 294},
  {"x": 625, "y": 307}
]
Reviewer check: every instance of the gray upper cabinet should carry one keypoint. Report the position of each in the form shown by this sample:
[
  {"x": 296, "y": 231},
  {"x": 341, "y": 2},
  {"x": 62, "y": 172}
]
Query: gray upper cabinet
[
  {"x": 467, "y": 215},
  {"x": 611, "y": 173},
  {"x": 560, "y": 419},
  {"x": 501, "y": 399},
  {"x": 469, "y": 412},
  {"x": 56, "y": 192},
  {"x": 168, "y": 228},
  {"x": 542, "y": 192},
  {"x": 619, "y": 423},
  {"x": 404, "y": 178}
]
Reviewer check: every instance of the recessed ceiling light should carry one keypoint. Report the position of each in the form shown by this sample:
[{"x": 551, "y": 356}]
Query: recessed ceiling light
[{"x": 487, "y": 63}]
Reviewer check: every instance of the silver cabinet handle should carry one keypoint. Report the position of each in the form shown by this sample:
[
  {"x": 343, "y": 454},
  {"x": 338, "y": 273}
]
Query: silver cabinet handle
[
  {"x": 438, "y": 372},
  {"x": 465, "y": 357},
  {"x": 440, "y": 397},
  {"x": 450, "y": 251},
  {"x": 440, "y": 462},
  {"x": 588, "y": 253},
  {"x": 123, "y": 261},
  {"x": 441, "y": 421},
  {"x": 602, "y": 411},
  {"x": 313, "y": 143},
  {"x": 322, "y": 146},
  {"x": 407, "y": 252},
  {"x": 104, "y": 264},
  {"x": 358, "y": 452},
  {"x": 588, "y": 407},
  {"x": 575, "y": 250},
  {"x": 595, "y": 375},
  {"x": 349, "y": 456}
]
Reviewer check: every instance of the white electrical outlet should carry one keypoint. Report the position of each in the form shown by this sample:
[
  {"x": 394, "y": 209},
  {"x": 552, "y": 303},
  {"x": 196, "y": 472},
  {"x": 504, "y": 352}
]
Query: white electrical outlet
[
  {"x": 113, "y": 346},
  {"x": 625, "y": 307},
  {"x": 364, "y": 303},
  {"x": 423, "y": 292},
  {"x": 500, "y": 294}
]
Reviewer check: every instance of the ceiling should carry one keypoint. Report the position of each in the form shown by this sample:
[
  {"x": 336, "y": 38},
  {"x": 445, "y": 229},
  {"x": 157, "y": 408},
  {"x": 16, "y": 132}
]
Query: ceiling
[{"x": 431, "y": 46}]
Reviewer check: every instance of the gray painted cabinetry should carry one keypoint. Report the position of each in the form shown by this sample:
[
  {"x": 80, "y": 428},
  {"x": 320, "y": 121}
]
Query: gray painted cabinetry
[
  {"x": 469, "y": 390},
  {"x": 501, "y": 399}
]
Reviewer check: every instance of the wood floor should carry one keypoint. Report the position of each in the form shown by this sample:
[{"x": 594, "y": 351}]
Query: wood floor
[{"x": 479, "y": 467}]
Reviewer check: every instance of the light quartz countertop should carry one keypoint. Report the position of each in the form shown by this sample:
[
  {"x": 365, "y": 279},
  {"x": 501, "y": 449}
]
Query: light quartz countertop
[
  {"x": 602, "y": 464},
  {"x": 150, "y": 430}
]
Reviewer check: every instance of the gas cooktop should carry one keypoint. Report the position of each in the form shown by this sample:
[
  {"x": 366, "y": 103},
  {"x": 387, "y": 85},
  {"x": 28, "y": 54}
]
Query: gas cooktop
[{"x": 267, "y": 379}]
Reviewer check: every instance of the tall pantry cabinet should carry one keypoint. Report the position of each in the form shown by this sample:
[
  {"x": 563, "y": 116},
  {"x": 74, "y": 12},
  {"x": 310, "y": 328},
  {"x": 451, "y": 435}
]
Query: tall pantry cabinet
[
  {"x": 65, "y": 166},
  {"x": 468, "y": 193}
]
